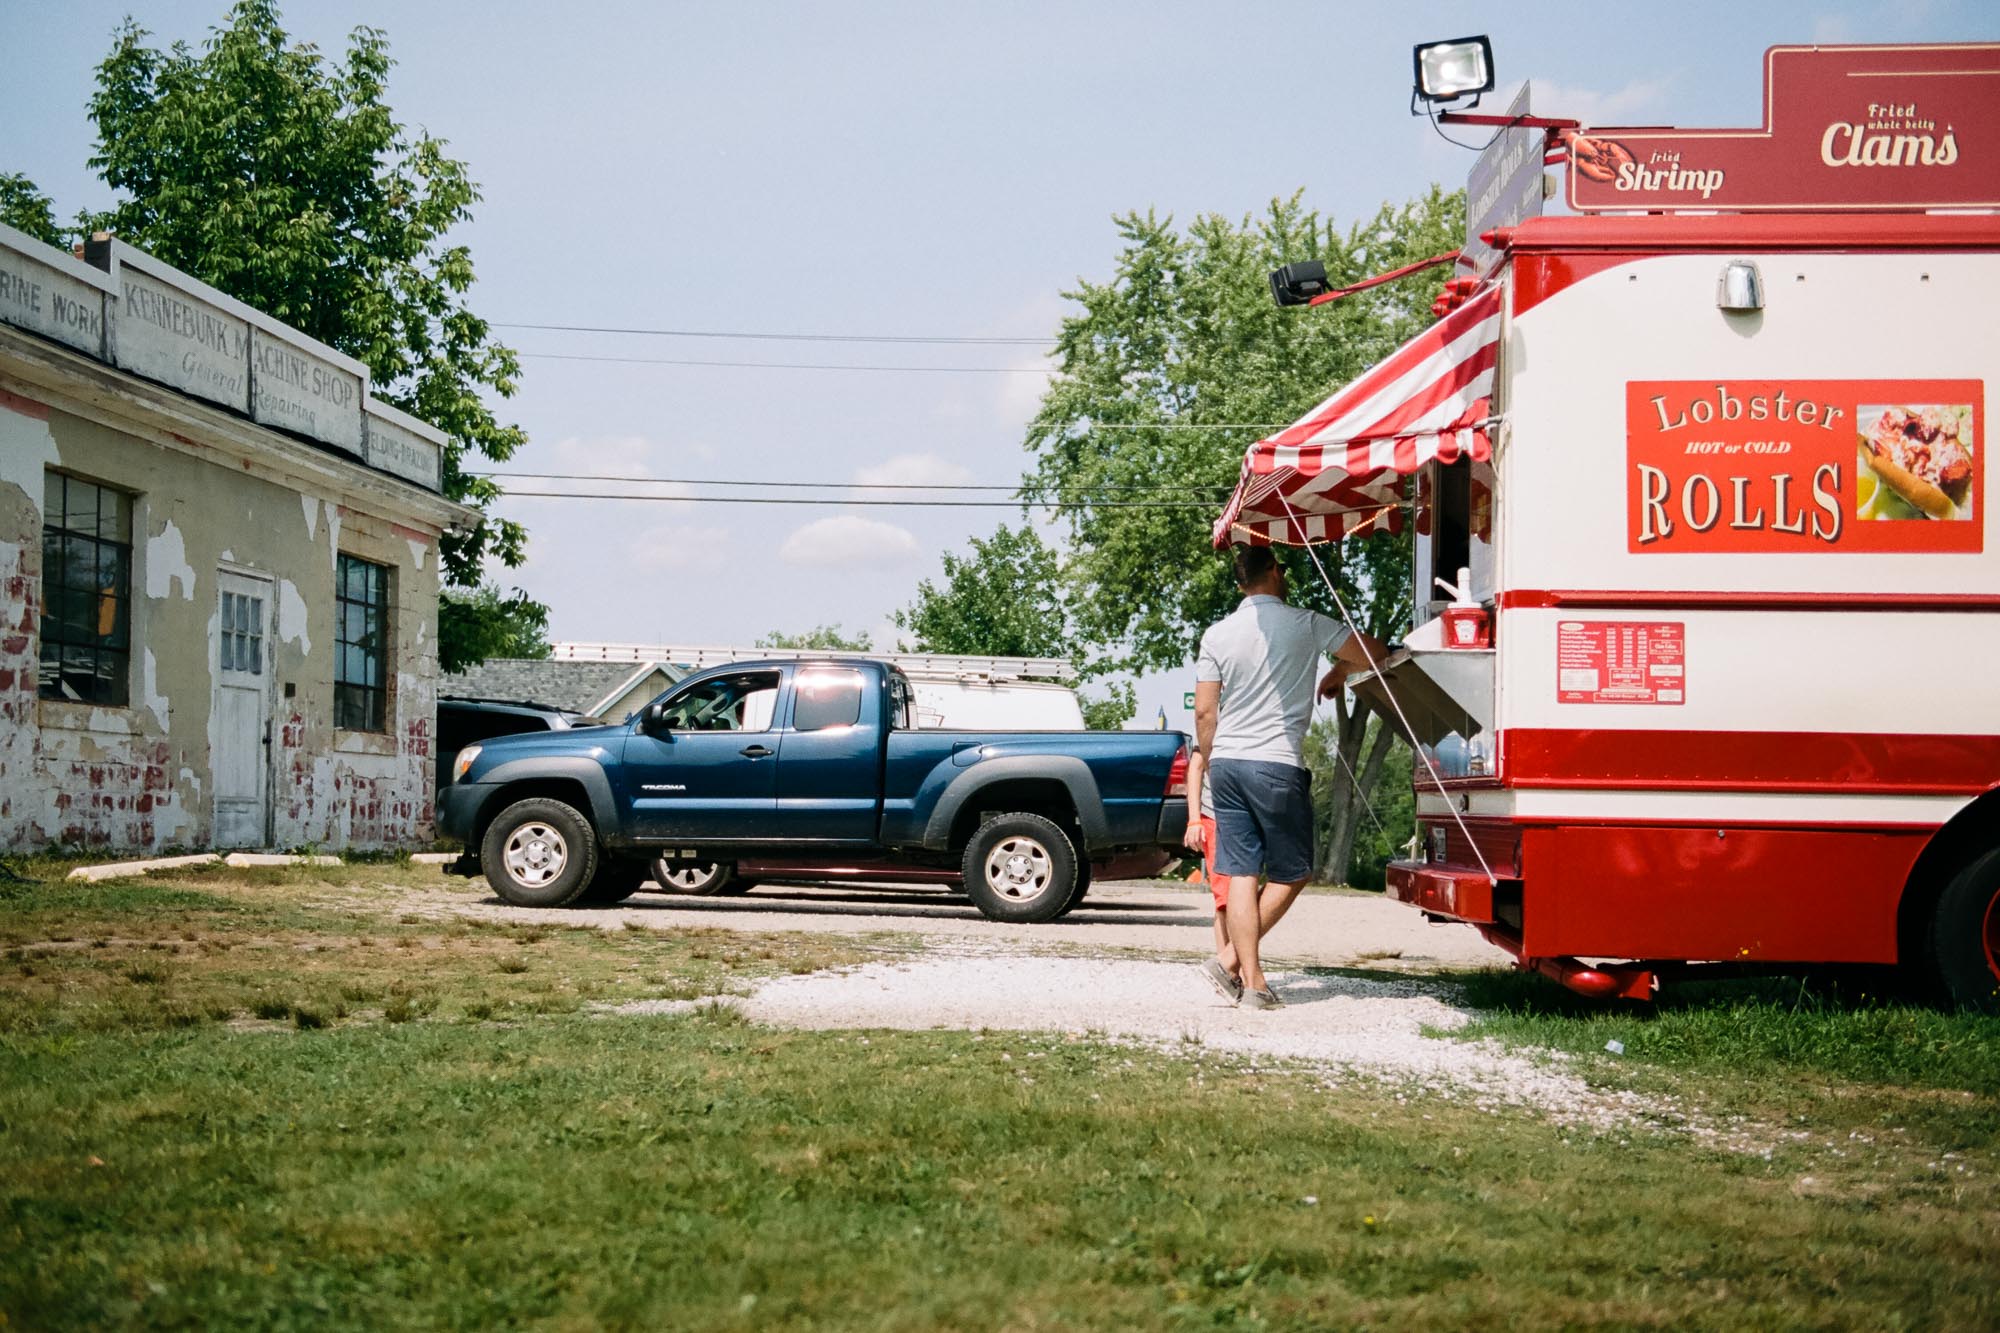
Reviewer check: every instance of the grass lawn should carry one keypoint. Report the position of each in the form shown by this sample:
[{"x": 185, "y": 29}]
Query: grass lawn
[{"x": 247, "y": 1099}]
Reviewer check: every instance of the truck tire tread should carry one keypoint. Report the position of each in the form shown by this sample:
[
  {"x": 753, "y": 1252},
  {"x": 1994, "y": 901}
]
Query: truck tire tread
[
  {"x": 579, "y": 853},
  {"x": 1964, "y": 940},
  {"x": 1037, "y": 838}
]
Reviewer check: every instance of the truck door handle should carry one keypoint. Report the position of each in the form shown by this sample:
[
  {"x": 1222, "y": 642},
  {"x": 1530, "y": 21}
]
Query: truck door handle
[{"x": 755, "y": 751}]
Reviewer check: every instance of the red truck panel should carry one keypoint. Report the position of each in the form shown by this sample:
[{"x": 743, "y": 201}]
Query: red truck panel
[{"x": 1716, "y": 894}]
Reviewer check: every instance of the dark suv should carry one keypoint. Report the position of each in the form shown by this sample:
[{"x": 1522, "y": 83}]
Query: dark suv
[{"x": 462, "y": 722}]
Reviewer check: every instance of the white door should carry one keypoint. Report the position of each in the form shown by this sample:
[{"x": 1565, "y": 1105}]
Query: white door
[{"x": 242, "y": 711}]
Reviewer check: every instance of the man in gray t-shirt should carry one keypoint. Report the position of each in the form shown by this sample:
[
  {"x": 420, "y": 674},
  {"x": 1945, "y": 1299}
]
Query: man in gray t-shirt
[{"x": 1254, "y": 693}]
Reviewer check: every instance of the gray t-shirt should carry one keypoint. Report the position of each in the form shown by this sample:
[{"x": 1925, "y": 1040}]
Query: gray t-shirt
[{"x": 1267, "y": 656}]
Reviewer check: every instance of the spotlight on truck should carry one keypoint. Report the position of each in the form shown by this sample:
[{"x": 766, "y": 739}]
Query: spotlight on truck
[
  {"x": 1461, "y": 67},
  {"x": 1298, "y": 284}
]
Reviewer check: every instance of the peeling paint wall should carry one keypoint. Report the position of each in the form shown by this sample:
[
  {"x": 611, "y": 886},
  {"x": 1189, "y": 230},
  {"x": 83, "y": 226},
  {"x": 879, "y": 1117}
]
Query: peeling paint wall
[{"x": 142, "y": 776}]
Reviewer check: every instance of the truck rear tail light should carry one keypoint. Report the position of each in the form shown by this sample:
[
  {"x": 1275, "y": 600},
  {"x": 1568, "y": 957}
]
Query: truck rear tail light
[{"x": 1177, "y": 773}]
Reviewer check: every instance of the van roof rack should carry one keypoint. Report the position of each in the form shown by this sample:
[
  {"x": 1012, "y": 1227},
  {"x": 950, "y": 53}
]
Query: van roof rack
[{"x": 934, "y": 666}]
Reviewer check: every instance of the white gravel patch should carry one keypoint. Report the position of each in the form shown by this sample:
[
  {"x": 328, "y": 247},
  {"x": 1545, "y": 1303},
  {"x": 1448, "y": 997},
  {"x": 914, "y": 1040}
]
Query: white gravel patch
[{"x": 1330, "y": 1025}]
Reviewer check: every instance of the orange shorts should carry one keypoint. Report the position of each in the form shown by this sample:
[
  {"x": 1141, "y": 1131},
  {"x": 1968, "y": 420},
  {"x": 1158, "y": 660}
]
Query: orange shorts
[{"x": 1218, "y": 885}]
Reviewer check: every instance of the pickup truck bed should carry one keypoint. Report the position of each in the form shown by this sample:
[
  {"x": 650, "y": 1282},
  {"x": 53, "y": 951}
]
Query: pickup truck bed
[{"x": 804, "y": 763}]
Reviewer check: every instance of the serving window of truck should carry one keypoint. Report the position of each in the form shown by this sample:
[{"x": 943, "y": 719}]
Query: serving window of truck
[{"x": 1707, "y": 596}]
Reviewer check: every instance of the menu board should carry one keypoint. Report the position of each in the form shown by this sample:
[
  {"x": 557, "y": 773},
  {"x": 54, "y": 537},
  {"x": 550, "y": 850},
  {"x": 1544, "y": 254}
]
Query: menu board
[{"x": 1621, "y": 662}]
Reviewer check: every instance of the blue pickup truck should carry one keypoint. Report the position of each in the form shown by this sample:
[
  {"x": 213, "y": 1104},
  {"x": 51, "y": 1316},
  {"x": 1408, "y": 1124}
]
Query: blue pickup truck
[{"x": 805, "y": 761}]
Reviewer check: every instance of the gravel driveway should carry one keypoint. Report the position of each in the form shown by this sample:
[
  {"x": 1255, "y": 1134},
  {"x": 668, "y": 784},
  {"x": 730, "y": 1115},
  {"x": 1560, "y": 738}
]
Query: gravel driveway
[{"x": 1329, "y": 928}]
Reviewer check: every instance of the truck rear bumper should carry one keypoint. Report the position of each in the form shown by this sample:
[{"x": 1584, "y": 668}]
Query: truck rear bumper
[
  {"x": 1467, "y": 895},
  {"x": 1462, "y": 895}
]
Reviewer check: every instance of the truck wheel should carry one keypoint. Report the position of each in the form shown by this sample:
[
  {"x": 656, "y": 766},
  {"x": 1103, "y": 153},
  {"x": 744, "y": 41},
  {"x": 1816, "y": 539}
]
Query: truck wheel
[
  {"x": 702, "y": 879},
  {"x": 1083, "y": 877},
  {"x": 617, "y": 878},
  {"x": 539, "y": 853},
  {"x": 1965, "y": 936},
  {"x": 1020, "y": 868}
]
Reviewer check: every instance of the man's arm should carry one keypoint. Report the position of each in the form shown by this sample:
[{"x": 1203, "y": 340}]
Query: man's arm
[
  {"x": 1207, "y": 706},
  {"x": 1357, "y": 652}
]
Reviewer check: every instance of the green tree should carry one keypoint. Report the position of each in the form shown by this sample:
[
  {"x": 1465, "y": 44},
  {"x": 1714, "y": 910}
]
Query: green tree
[
  {"x": 1004, "y": 599},
  {"x": 822, "y": 638},
  {"x": 1168, "y": 372},
  {"x": 1111, "y": 710},
  {"x": 484, "y": 622},
  {"x": 27, "y": 209},
  {"x": 284, "y": 179}
]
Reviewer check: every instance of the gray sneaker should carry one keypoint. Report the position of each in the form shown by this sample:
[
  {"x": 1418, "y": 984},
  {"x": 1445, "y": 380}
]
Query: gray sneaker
[
  {"x": 1262, "y": 999},
  {"x": 1226, "y": 985}
]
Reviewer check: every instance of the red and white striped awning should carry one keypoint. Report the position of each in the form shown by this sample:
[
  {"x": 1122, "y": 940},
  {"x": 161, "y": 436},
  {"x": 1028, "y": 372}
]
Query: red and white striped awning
[{"x": 1339, "y": 469}]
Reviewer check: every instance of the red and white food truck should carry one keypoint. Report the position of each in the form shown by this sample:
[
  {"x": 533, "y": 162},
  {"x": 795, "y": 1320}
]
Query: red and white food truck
[{"x": 1714, "y": 455}]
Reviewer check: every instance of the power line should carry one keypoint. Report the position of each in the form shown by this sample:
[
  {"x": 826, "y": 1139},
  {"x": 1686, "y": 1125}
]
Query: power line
[
  {"x": 941, "y": 338},
  {"x": 842, "y": 485},
  {"x": 1204, "y": 505},
  {"x": 779, "y": 365},
  {"x": 1187, "y": 425}
]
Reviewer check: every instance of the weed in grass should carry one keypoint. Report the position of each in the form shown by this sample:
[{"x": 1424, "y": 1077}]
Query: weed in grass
[
  {"x": 145, "y": 975},
  {"x": 479, "y": 1011},
  {"x": 306, "y": 1019},
  {"x": 1747, "y": 1029},
  {"x": 271, "y": 1009}
]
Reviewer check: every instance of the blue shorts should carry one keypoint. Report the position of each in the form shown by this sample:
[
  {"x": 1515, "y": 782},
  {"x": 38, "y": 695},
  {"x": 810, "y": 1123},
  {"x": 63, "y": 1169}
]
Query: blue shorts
[{"x": 1263, "y": 819}]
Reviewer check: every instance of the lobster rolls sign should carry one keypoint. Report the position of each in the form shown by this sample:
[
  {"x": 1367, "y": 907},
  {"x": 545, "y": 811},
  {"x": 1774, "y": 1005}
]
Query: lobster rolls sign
[
  {"x": 1804, "y": 465},
  {"x": 1882, "y": 128}
]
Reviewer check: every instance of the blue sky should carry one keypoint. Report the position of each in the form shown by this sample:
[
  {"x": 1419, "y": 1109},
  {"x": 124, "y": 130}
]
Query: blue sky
[{"x": 881, "y": 169}]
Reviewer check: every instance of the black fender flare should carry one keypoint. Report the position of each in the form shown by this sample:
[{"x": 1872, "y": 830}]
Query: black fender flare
[
  {"x": 588, "y": 773},
  {"x": 1074, "y": 775}
]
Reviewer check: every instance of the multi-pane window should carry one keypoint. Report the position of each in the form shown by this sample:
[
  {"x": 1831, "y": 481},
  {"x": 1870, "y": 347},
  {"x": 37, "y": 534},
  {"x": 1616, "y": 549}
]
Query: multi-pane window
[
  {"x": 361, "y": 645},
  {"x": 86, "y": 591},
  {"x": 241, "y": 635}
]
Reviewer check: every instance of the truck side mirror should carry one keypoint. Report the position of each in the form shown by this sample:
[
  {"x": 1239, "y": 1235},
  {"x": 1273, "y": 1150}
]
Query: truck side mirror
[{"x": 654, "y": 721}]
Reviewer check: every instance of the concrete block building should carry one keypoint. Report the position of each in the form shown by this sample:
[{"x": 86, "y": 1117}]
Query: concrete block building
[{"x": 218, "y": 571}]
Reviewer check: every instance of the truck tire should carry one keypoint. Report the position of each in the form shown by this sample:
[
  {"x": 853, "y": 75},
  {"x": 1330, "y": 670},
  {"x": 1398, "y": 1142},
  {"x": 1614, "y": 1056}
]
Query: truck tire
[
  {"x": 700, "y": 879},
  {"x": 1965, "y": 936},
  {"x": 617, "y": 878},
  {"x": 1021, "y": 868},
  {"x": 540, "y": 852},
  {"x": 1083, "y": 878}
]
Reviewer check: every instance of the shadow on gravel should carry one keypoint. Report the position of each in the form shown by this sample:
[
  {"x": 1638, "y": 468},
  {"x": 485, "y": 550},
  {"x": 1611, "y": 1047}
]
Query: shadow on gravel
[{"x": 919, "y": 904}]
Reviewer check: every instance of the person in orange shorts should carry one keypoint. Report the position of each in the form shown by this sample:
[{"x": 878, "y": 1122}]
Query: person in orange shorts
[{"x": 1200, "y": 837}]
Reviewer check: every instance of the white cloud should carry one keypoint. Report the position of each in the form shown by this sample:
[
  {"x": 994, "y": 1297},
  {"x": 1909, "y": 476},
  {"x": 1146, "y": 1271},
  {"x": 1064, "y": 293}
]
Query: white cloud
[
  {"x": 1619, "y": 106},
  {"x": 914, "y": 470},
  {"x": 673, "y": 547},
  {"x": 848, "y": 541},
  {"x": 611, "y": 455}
]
